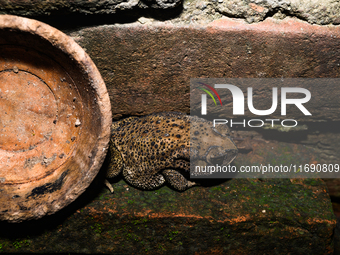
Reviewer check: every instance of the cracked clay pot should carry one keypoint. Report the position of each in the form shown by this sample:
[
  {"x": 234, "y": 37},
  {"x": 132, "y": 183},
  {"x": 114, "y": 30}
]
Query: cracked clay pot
[{"x": 55, "y": 118}]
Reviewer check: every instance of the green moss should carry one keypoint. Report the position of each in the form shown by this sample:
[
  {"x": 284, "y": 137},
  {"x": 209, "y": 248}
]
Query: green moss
[
  {"x": 97, "y": 228},
  {"x": 217, "y": 188},
  {"x": 160, "y": 247},
  {"x": 172, "y": 235},
  {"x": 18, "y": 244}
]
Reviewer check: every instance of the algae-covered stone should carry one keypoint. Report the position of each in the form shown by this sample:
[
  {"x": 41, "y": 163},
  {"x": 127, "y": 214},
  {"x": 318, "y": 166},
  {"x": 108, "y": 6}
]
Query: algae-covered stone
[{"x": 239, "y": 216}]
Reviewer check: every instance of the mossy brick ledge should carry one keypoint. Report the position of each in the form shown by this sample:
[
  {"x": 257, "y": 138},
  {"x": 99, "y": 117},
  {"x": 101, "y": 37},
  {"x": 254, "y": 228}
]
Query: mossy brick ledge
[{"x": 239, "y": 216}]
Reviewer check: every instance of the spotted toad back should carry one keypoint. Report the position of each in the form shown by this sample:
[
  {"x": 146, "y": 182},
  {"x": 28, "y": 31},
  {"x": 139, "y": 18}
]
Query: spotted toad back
[{"x": 155, "y": 149}]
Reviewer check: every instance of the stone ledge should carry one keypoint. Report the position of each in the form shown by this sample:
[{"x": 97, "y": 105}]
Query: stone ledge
[
  {"x": 239, "y": 217},
  {"x": 147, "y": 68}
]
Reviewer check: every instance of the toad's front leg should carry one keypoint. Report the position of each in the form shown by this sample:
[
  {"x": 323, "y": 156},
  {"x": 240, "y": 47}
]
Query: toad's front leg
[{"x": 177, "y": 180}]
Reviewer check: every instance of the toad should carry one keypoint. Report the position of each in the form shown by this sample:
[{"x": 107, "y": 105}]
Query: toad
[{"x": 156, "y": 149}]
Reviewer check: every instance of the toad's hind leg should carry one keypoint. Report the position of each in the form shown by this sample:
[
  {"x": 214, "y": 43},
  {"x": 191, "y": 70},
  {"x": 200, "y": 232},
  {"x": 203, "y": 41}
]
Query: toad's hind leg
[
  {"x": 143, "y": 179},
  {"x": 177, "y": 180}
]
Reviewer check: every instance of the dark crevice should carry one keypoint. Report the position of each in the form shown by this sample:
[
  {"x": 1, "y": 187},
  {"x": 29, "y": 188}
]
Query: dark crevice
[
  {"x": 272, "y": 12},
  {"x": 335, "y": 199},
  {"x": 75, "y": 21}
]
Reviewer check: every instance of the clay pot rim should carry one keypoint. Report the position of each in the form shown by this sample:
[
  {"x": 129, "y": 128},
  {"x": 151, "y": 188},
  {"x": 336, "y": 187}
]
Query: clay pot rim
[{"x": 66, "y": 44}]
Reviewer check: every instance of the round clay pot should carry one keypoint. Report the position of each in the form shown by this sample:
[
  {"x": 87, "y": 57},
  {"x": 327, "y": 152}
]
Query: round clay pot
[{"x": 55, "y": 118}]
